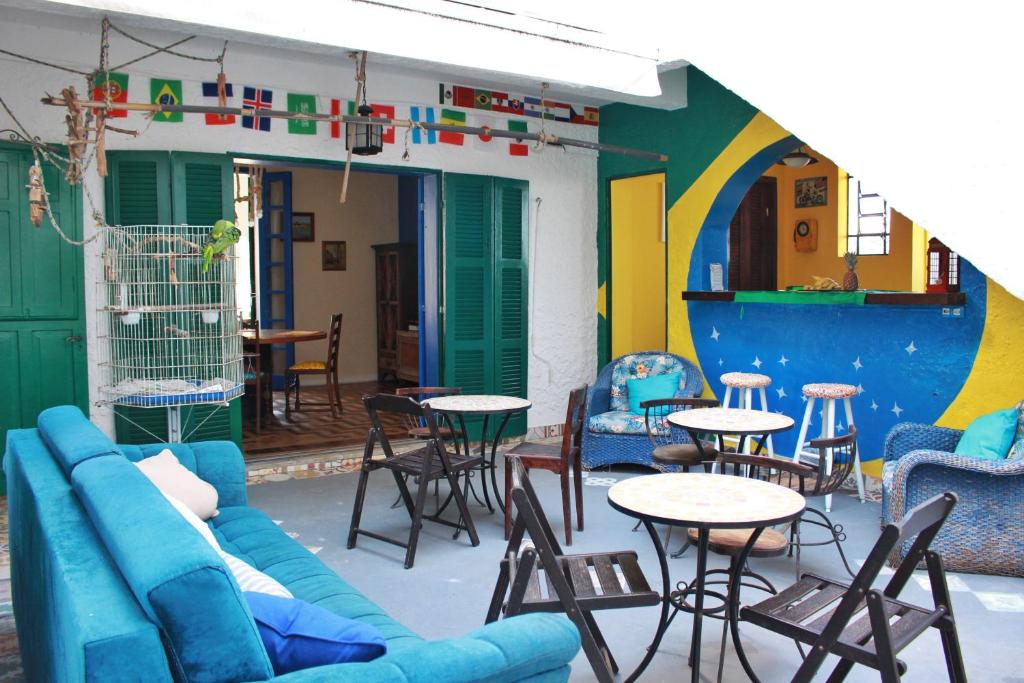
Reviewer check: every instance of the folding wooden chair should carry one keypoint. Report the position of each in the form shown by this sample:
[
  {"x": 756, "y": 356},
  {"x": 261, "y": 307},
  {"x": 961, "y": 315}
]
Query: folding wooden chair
[
  {"x": 574, "y": 584},
  {"x": 426, "y": 464},
  {"x": 860, "y": 624}
]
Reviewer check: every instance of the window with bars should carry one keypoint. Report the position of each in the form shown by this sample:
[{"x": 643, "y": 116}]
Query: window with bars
[{"x": 867, "y": 223}]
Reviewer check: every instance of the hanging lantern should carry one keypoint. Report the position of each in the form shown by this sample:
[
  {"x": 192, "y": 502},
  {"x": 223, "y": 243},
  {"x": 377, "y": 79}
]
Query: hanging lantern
[
  {"x": 364, "y": 139},
  {"x": 943, "y": 268}
]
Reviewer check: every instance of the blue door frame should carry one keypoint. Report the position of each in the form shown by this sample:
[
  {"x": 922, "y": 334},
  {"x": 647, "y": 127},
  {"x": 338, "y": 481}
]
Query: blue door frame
[{"x": 277, "y": 294}]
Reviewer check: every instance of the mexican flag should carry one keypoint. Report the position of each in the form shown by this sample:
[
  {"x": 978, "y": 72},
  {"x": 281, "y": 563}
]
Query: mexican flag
[
  {"x": 117, "y": 86},
  {"x": 305, "y": 104},
  {"x": 166, "y": 92}
]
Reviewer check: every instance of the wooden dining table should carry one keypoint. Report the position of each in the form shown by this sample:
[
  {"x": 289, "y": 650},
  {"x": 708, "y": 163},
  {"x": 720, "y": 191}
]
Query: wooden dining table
[{"x": 269, "y": 337}]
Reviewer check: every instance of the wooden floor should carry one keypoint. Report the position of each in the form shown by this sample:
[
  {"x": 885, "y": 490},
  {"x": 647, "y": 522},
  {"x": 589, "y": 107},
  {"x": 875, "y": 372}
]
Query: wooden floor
[{"x": 316, "y": 430}]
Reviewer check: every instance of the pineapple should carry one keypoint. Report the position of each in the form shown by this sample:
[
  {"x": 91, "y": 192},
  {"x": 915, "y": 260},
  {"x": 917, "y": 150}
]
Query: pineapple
[{"x": 850, "y": 280}]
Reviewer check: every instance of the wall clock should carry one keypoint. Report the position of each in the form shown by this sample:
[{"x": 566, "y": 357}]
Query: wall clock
[{"x": 805, "y": 235}]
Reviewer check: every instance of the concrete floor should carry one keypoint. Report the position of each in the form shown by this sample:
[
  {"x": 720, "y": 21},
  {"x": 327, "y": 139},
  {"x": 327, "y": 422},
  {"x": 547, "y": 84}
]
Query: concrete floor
[{"x": 447, "y": 592}]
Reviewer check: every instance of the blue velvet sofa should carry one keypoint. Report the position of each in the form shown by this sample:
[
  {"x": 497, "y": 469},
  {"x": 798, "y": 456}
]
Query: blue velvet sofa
[
  {"x": 110, "y": 584},
  {"x": 611, "y": 433},
  {"x": 985, "y": 531}
]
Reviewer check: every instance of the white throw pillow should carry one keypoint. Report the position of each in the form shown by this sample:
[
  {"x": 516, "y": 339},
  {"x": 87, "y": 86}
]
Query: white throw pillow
[
  {"x": 174, "y": 479},
  {"x": 193, "y": 519},
  {"x": 251, "y": 579}
]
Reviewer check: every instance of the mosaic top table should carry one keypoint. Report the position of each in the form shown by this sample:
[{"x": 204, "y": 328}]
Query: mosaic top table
[
  {"x": 485, "y": 405},
  {"x": 735, "y": 421},
  {"x": 701, "y": 501}
]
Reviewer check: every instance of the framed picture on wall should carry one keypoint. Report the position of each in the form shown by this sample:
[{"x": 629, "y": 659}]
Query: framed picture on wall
[
  {"x": 302, "y": 227},
  {"x": 811, "y": 192},
  {"x": 333, "y": 255}
]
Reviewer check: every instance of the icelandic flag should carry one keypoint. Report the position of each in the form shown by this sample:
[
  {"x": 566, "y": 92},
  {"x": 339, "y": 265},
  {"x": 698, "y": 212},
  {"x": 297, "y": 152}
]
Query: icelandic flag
[
  {"x": 256, "y": 98},
  {"x": 427, "y": 116}
]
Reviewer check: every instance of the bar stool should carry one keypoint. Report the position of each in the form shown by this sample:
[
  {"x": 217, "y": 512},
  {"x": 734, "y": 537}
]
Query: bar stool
[
  {"x": 746, "y": 383},
  {"x": 829, "y": 393}
]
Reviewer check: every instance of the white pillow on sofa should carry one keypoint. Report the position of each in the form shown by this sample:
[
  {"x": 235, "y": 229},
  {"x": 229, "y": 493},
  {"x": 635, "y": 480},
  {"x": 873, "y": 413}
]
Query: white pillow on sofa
[
  {"x": 247, "y": 577},
  {"x": 174, "y": 479}
]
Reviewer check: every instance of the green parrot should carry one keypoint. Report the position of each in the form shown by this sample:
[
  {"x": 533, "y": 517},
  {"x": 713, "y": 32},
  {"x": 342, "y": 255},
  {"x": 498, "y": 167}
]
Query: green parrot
[{"x": 222, "y": 236}]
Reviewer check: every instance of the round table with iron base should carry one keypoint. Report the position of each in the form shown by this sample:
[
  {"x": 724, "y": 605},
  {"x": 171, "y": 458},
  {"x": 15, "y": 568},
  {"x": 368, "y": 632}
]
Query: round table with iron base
[
  {"x": 471, "y": 405},
  {"x": 703, "y": 502}
]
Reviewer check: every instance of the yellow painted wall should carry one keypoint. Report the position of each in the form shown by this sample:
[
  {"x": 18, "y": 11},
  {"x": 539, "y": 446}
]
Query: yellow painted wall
[
  {"x": 893, "y": 271},
  {"x": 638, "y": 263}
]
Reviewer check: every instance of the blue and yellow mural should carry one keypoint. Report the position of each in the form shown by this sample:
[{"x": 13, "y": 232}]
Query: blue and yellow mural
[{"x": 910, "y": 363}]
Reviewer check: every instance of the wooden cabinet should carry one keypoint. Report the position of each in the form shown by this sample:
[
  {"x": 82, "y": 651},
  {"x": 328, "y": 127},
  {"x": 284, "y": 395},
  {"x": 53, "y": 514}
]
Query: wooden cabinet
[
  {"x": 409, "y": 355},
  {"x": 396, "y": 288}
]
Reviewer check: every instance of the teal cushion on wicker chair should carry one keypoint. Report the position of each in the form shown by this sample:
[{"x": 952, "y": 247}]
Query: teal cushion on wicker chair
[
  {"x": 640, "y": 389},
  {"x": 989, "y": 436}
]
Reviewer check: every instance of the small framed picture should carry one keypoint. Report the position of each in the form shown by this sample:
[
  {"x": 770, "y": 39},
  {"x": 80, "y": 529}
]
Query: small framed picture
[
  {"x": 302, "y": 227},
  {"x": 333, "y": 255},
  {"x": 811, "y": 192}
]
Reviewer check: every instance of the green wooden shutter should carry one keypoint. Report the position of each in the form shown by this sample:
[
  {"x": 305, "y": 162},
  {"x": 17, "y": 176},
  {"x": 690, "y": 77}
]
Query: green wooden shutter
[
  {"x": 510, "y": 276},
  {"x": 485, "y": 319},
  {"x": 159, "y": 188},
  {"x": 12, "y": 195}
]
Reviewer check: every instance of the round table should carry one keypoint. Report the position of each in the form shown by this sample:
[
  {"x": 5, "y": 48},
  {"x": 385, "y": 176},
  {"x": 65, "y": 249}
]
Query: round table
[
  {"x": 702, "y": 501},
  {"x": 736, "y": 421},
  {"x": 273, "y": 336},
  {"x": 485, "y": 405}
]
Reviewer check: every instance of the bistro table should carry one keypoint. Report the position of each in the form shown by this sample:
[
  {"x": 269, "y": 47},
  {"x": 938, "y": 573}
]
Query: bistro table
[
  {"x": 702, "y": 501},
  {"x": 471, "y": 405},
  {"x": 734, "y": 421}
]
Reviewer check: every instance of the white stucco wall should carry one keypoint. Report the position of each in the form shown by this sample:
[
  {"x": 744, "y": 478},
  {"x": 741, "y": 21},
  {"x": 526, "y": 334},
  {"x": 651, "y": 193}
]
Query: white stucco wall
[{"x": 563, "y": 246}]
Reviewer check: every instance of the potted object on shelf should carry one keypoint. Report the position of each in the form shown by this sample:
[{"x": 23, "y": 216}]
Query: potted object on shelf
[{"x": 851, "y": 282}]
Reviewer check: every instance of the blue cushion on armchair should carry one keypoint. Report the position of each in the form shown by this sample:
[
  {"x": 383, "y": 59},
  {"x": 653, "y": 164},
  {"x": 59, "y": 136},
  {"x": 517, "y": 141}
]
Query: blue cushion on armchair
[
  {"x": 640, "y": 365},
  {"x": 300, "y": 635},
  {"x": 640, "y": 389},
  {"x": 989, "y": 436}
]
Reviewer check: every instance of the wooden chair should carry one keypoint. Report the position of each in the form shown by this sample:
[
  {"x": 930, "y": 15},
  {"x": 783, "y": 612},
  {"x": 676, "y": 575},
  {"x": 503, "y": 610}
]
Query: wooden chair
[
  {"x": 328, "y": 368},
  {"x": 861, "y": 624},
  {"x": 672, "y": 446},
  {"x": 253, "y": 374},
  {"x": 417, "y": 429},
  {"x": 568, "y": 584},
  {"x": 426, "y": 464},
  {"x": 559, "y": 459}
]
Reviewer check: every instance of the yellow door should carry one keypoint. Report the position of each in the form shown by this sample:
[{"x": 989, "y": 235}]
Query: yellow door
[{"x": 638, "y": 264}]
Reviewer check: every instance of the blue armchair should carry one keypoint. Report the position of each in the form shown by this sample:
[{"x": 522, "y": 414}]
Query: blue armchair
[
  {"x": 611, "y": 433},
  {"x": 985, "y": 531}
]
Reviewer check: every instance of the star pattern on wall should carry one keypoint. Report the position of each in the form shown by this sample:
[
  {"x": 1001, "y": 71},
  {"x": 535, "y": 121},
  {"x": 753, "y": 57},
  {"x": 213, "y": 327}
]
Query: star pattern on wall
[
  {"x": 910, "y": 348},
  {"x": 896, "y": 409},
  {"x": 860, "y": 389},
  {"x": 721, "y": 362},
  {"x": 857, "y": 365},
  {"x": 781, "y": 391},
  {"x": 783, "y": 361},
  {"x": 757, "y": 362},
  {"x": 715, "y": 334},
  {"x": 874, "y": 406}
]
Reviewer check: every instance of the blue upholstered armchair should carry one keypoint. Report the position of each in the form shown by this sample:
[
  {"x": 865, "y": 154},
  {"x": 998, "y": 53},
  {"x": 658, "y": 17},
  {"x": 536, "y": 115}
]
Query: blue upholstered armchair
[
  {"x": 612, "y": 434},
  {"x": 985, "y": 531}
]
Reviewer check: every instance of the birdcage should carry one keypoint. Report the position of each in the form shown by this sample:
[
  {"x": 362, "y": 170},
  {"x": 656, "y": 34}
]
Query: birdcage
[{"x": 169, "y": 323}]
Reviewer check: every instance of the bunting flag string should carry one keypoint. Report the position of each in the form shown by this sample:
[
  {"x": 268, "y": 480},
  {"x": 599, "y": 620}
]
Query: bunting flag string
[{"x": 501, "y": 102}]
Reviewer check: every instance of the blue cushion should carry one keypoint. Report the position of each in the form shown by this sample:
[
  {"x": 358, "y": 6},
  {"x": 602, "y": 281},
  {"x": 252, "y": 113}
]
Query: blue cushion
[
  {"x": 72, "y": 439},
  {"x": 639, "y": 389},
  {"x": 299, "y": 635},
  {"x": 641, "y": 365},
  {"x": 990, "y": 436},
  {"x": 617, "y": 422}
]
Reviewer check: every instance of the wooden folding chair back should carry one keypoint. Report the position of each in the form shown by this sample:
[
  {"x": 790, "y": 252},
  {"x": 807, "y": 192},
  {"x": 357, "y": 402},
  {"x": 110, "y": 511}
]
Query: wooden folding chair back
[
  {"x": 416, "y": 427},
  {"x": 568, "y": 580},
  {"x": 863, "y": 625}
]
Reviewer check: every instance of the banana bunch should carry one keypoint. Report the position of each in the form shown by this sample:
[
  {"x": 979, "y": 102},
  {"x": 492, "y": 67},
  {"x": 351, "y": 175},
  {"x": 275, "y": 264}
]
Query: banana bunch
[{"x": 823, "y": 284}]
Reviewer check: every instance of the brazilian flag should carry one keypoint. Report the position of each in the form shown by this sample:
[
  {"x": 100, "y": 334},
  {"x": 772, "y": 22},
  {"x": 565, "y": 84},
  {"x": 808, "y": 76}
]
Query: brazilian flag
[{"x": 166, "y": 92}]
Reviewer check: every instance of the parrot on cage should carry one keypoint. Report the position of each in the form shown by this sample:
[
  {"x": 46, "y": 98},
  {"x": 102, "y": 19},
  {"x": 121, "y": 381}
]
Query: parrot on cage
[{"x": 222, "y": 236}]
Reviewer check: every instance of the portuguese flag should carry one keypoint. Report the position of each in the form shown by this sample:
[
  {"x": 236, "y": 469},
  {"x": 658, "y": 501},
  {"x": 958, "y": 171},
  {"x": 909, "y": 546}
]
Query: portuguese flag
[
  {"x": 166, "y": 92},
  {"x": 117, "y": 86}
]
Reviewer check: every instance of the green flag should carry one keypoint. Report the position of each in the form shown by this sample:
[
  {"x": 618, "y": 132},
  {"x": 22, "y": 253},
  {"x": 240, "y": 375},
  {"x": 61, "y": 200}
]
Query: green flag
[
  {"x": 307, "y": 105},
  {"x": 166, "y": 92}
]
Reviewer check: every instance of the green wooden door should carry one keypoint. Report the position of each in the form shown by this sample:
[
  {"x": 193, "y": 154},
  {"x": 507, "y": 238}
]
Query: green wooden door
[
  {"x": 42, "y": 307},
  {"x": 485, "y": 309},
  {"x": 160, "y": 188}
]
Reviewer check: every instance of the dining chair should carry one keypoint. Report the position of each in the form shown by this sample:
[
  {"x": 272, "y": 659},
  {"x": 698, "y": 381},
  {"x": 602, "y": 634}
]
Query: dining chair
[
  {"x": 327, "y": 368},
  {"x": 672, "y": 445},
  {"x": 561, "y": 459},
  {"x": 417, "y": 429},
  {"x": 428, "y": 463},
  {"x": 574, "y": 584},
  {"x": 861, "y": 624},
  {"x": 253, "y": 374}
]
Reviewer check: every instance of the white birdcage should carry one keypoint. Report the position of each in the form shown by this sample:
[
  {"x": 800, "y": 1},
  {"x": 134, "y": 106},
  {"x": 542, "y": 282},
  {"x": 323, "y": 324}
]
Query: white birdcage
[{"x": 169, "y": 321}]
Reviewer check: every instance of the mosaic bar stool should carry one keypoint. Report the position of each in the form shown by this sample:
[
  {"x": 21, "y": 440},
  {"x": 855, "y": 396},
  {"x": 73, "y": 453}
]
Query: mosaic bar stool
[
  {"x": 745, "y": 384},
  {"x": 829, "y": 393}
]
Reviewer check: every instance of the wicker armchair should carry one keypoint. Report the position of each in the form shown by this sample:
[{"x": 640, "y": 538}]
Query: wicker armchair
[
  {"x": 611, "y": 435},
  {"x": 985, "y": 532}
]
